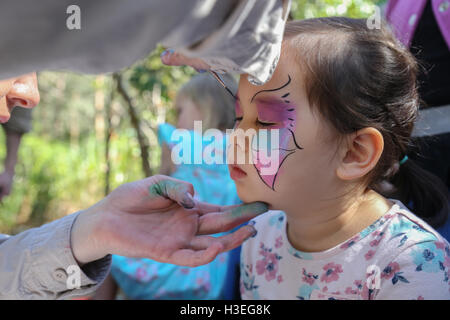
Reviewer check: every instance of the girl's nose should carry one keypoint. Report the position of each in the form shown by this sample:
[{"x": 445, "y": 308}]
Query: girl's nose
[
  {"x": 24, "y": 92},
  {"x": 239, "y": 144}
]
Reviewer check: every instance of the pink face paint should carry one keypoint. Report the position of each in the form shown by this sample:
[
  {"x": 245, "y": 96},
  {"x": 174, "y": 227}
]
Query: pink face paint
[
  {"x": 238, "y": 109},
  {"x": 282, "y": 115}
]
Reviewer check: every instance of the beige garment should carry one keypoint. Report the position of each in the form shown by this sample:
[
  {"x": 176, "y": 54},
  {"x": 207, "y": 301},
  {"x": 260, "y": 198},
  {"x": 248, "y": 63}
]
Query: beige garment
[
  {"x": 242, "y": 36},
  {"x": 37, "y": 264}
]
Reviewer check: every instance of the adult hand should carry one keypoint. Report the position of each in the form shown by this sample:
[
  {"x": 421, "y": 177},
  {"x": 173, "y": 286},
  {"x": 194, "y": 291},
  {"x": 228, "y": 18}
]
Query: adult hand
[
  {"x": 157, "y": 218},
  {"x": 172, "y": 58},
  {"x": 6, "y": 179}
]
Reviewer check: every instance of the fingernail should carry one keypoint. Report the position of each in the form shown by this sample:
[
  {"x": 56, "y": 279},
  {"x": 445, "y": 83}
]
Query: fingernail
[
  {"x": 166, "y": 52},
  {"x": 166, "y": 55},
  {"x": 253, "y": 231},
  {"x": 188, "y": 202}
]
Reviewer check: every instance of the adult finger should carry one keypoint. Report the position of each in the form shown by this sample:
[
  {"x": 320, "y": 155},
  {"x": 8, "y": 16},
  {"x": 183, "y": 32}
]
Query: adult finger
[
  {"x": 171, "y": 58},
  {"x": 176, "y": 190},
  {"x": 204, "y": 207},
  {"x": 195, "y": 258},
  {"x": 228, "y": 241},
  {"x": 215, "y": 222}
]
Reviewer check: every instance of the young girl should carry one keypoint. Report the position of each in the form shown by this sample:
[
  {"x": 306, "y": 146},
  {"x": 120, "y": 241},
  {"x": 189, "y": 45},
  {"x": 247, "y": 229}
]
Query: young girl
[{"x": 344, "y": 100}]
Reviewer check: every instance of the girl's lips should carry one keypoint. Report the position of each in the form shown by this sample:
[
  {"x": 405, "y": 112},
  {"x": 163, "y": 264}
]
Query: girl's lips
[{"x": 236, "y": 173}]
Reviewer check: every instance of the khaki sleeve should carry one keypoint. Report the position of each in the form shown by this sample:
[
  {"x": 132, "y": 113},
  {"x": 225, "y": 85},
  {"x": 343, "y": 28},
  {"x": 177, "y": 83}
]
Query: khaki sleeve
[
  {"x": 242, "y": 36},
  {"x": 39, "y": 264}
]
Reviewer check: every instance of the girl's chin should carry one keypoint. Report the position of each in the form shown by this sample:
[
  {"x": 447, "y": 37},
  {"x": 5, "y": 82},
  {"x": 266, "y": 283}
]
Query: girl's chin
[
  {"x": 246, "y": 195},
  {"x": 249, "y": 195}
]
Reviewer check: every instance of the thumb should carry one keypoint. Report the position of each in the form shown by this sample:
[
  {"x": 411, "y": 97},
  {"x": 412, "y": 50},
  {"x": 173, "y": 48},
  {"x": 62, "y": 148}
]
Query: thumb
[{"x": 173, "y": 189}]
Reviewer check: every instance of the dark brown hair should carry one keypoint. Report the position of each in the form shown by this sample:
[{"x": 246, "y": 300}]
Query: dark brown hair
[{"x": 357, "y": 78}]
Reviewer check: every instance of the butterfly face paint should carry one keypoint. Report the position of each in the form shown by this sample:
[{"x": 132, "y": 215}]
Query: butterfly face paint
[{"x": 278, "y": 115}]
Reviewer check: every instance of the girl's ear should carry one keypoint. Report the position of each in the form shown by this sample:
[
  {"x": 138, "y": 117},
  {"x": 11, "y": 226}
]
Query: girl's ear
[{"x": 361, "y": 154}]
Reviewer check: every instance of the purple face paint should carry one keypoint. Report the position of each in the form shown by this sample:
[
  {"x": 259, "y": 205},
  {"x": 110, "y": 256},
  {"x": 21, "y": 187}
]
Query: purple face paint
[{"x": 281, "y": 114}]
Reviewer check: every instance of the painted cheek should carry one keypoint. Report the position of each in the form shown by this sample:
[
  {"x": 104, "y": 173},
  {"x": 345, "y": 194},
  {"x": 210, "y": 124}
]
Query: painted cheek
[
  {"x": 238, "y": 113},
  {"x": 269, "y": 153},
  {"x": 238, "y": 109}
]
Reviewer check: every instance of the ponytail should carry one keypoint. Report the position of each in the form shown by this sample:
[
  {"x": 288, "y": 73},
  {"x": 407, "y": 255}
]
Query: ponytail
[{"x": 422, "y": 192}]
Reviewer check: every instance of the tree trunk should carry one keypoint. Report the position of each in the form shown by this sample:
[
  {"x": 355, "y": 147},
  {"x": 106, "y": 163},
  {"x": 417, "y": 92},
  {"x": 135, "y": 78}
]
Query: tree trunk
[
  {"x": 135, "y": 121},
  {"x": 108, "y": 133}
]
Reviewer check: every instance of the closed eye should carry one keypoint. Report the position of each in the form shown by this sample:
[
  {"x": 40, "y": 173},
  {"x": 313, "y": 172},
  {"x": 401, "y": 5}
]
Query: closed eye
[{"x": 265, "y": 124}]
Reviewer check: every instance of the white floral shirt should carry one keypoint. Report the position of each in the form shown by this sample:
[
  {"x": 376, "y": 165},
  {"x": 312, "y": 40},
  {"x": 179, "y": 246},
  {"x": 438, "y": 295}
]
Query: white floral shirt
[{"x": 397, "y": 257}]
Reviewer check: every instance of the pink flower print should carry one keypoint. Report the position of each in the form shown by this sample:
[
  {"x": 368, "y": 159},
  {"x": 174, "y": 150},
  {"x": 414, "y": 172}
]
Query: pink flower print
[
  {"x": 262, "y": 250},
  {"x": 378, "y": 235},
  {"x": 331, "y": 272},
  {"x": 336, "y": 292},
  {"x": 369, "y": 254},
  {"x": 356, "y": 290},
  {"x": 268, "y": 266},
  {"x": 440, "y": 245},
  {"x": 350, "y": 242},
  {"x": 309, "y": 278},
  {"x": 358, "y": 284},
  {"x": 388, "y": 216},
  {"x": 184, "y": 270},
  {"x": 375, "y": 242},
  {"x": 204, "y": 285},
  {"x": 278, "y": 242},
  {"x": 447, "y": 262},
  {"x": 349, "y": 290},
  {"x": 141, "y": 274},
  {"x": 390, "y": 270},
  {"x": 280, "y": 278}
]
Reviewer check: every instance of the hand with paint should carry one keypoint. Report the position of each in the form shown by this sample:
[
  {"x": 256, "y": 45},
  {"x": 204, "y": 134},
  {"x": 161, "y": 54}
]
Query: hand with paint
[{"x": 157, "y": 218}]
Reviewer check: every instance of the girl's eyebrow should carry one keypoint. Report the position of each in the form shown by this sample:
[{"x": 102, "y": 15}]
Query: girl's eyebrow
[{"x": 270, "y": 90}]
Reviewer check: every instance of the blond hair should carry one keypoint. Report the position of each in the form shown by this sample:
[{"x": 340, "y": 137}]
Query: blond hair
[{"x": 212, "y": 100}]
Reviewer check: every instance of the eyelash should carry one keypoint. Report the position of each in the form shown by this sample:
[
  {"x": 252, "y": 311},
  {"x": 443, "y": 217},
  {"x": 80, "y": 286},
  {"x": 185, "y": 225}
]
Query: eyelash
[{"x": 264, "y": 124}]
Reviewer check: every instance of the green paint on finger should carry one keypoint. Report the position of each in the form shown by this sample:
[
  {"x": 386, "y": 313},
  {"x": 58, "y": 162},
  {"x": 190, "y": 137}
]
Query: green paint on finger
[
  {"x": 249, "y": 210},
  {"x": 164, "y": 188}
]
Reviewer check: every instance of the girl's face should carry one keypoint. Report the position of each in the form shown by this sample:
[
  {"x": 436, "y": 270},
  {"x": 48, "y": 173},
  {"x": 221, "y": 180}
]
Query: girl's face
[
  {"x": 187, "y": 113},
  {"x": 20, "y": 91},
  {"x": 304, "y": 168}
]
